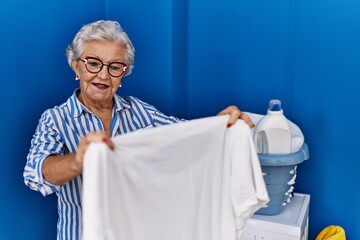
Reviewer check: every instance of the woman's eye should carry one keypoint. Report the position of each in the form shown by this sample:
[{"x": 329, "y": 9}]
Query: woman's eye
[
  {"x": 115, "y": 68},
  {"x": 93, "y": 64}
]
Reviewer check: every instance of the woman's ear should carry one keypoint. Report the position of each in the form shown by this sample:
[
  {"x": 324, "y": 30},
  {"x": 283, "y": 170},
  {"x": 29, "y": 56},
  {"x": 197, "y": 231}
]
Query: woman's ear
[{"x": 74, "y": 65}]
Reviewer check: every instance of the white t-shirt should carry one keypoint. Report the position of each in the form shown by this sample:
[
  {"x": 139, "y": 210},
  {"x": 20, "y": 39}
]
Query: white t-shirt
[{"x": 195, "y": 180}]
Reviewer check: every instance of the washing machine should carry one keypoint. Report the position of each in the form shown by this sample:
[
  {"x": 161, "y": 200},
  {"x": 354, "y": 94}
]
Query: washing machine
[{"x": 291, "y": 224}]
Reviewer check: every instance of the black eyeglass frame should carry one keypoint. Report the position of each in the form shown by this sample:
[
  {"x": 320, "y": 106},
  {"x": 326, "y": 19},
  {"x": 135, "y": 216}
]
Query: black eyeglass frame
[{"x": 85, "y": 61}]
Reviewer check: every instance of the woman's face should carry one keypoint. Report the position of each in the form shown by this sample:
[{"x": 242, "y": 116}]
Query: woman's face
[{"x": 99, "y": 88}]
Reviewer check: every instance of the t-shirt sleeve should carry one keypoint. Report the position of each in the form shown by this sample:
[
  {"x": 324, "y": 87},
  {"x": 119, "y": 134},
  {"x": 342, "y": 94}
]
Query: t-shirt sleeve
[
  {"x": 248, "y": 189},
  {"x": 46, "y": 141}
]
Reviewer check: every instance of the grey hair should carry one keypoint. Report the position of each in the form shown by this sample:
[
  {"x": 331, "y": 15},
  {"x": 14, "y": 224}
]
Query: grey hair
[{"x": 101, "y": 30}]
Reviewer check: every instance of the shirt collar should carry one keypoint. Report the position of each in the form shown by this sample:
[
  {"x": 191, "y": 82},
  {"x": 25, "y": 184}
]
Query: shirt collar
[
  {"x": 77, "y": 108},
  {"x": 119, "y": 103}
]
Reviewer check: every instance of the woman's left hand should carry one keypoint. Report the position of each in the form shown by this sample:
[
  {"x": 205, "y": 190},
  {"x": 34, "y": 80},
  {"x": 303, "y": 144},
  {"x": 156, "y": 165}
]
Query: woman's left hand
[{"x": 236, "y": 114}]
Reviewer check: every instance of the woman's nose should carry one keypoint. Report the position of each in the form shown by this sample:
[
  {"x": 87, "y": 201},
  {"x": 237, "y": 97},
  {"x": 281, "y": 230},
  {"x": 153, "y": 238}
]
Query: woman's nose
[{"x": 104, "y": 74}]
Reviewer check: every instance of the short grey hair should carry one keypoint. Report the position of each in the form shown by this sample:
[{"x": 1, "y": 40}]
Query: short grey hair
[{"x": 102, "y": 30}]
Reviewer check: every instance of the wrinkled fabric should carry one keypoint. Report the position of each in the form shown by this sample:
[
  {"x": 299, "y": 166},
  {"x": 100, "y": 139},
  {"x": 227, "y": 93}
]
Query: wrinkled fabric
[
  {"x": 195, "y": 180},
  {"x": 332, "y": 232}
]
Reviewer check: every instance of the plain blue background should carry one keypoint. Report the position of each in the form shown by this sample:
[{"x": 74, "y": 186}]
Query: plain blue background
[{"x": 194, "y": 58}]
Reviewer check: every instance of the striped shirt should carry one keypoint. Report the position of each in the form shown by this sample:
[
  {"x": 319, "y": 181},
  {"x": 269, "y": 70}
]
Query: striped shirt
[{"x": 60, "y": 130}]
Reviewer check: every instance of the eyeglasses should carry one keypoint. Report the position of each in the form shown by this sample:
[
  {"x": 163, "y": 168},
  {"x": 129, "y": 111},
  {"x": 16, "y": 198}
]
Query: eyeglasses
[{"x": 94, "y": 65}]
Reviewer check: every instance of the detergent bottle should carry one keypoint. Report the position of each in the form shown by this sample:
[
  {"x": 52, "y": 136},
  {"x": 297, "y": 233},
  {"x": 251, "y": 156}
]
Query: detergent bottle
[{"x": 272, "y": 133}]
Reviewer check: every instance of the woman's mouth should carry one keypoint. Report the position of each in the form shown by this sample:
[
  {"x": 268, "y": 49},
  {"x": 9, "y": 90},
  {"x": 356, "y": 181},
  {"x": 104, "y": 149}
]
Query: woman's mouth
[{"x": 100, "y": 86}]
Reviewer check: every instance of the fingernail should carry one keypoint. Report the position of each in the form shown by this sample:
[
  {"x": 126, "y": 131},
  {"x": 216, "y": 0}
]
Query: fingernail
[
  {"x": 104, "y": 139},
  {"x": 228, "y": 125}
]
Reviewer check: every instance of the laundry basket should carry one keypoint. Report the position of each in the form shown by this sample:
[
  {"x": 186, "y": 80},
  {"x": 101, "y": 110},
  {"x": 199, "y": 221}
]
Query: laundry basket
[{"x": 279, "y": 171}]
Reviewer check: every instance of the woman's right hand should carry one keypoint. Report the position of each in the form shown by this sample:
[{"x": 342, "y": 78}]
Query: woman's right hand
[
  {"x": 59, "y": 169},
  {"x": 98, "y": 136}
]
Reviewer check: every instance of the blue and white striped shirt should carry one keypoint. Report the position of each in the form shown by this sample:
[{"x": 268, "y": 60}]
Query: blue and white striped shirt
[{"x": 60, "y": 130}]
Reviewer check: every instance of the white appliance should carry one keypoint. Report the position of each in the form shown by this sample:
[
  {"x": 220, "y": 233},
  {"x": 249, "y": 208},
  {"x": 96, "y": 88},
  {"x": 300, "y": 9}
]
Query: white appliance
[{"x": 291, "y": 224}]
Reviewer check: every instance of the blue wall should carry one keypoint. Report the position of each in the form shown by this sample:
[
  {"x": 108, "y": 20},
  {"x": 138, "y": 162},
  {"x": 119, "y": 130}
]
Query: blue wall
[
  {"x": 192, "y": 59},
  {"x": 306, "y": 53}
]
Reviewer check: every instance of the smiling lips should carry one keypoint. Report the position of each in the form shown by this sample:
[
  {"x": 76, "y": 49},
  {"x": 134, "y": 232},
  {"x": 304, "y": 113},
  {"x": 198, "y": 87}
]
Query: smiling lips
[{"x": 100, "y": 86}]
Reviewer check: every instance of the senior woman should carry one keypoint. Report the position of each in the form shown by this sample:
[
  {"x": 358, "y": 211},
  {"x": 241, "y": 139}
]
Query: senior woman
[{"x": 101, "y": 54}]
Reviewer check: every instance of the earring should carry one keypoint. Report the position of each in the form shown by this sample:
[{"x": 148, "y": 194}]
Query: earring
[
  {"x": 120, "y": 86},
  {"x": 76, "y": 77}
]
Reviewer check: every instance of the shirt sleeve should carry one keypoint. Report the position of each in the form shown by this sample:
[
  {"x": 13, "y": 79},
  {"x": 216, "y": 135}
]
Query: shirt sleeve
[
  {"x": 162, "y": 119},
  {"x": 156, "y": 117},
  {"x": 46, "y": 141}
]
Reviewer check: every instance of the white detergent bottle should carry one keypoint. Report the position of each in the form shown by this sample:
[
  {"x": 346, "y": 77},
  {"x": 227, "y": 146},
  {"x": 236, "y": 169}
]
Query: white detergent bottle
[{"x": 272, "y": 133}]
